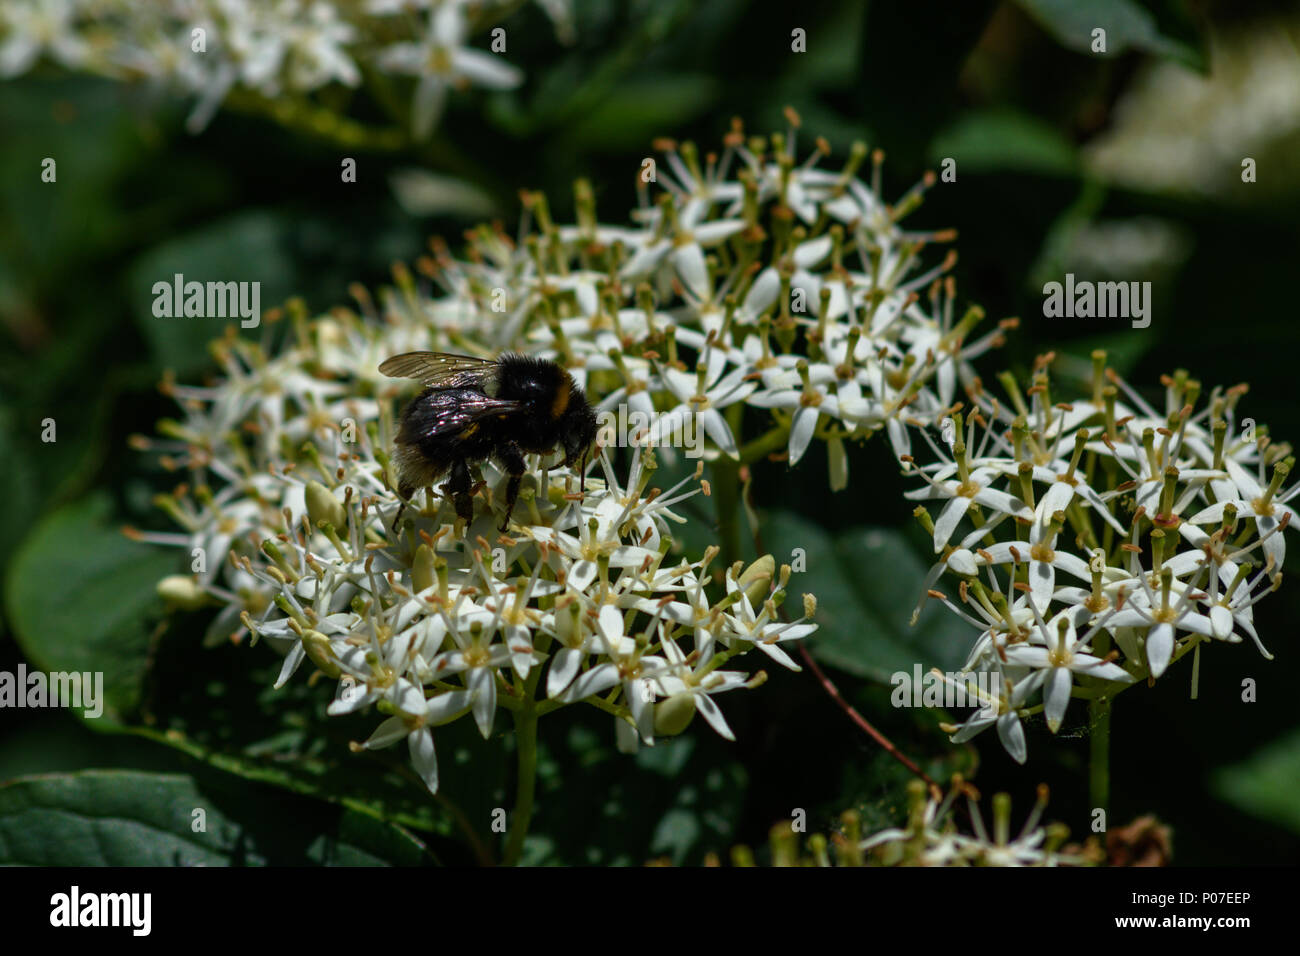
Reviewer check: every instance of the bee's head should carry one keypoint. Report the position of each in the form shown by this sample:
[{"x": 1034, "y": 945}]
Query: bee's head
[{"x": 577, "y": 428}]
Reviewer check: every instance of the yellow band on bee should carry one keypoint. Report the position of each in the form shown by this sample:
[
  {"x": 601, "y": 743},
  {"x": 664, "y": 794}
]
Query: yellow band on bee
[{"x": 562, "y": 393}]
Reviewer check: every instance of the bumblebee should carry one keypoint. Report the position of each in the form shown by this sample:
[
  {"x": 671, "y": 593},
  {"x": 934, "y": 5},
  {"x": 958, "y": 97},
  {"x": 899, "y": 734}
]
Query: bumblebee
[{"x": 473, "y": 409}]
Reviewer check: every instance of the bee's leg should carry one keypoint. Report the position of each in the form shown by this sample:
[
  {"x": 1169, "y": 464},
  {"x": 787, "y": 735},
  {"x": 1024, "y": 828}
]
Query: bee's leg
[
  {"x": 404, "y": 491},
  {"x": 458, "y": 487},
  {"x": 512, "y": 459}
]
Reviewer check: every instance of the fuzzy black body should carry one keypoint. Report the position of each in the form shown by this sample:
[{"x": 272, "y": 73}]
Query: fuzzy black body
[{"x": 475, "y": 409}]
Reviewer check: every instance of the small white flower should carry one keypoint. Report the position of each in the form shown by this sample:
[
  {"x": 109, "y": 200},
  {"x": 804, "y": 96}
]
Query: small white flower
[
  {"x": 32, "y": 27},
  {"x": 442, "y": 61},
  {"x": 1061, "y": 653},
  {"x": 1003, "y": 712}
]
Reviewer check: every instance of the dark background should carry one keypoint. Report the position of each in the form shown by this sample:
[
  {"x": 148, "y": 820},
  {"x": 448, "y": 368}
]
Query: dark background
[{"x": 1007, "y": 89}]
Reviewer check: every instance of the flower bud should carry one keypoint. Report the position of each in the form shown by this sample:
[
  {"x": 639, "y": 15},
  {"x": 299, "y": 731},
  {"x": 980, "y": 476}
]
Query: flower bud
[
  {"x": 323, "y": 507},
  {"x": 317, "y": 646},
  {"x": 757, "y": 579},
  {"x": 422, "y": 568},
  {"x": 182, "y": 591},
  {"x": 674, "y": 714}
]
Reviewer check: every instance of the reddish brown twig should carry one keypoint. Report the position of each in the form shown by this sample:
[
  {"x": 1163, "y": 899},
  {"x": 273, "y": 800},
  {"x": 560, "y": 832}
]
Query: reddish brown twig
[
  {"x": 827, "y": 684},
  {"x": 865, "y": 724}
]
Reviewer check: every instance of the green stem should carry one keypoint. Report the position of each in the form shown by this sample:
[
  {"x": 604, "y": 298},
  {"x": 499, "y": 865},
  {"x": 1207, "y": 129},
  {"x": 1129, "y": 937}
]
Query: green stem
[
  {"x": 526, "y": 783},
  {"x": 1099, "y": 752},
  {"x": 764, "y": 444},
  {"x": 302, "y": 115},
  {"x": 726, "y": 500}
]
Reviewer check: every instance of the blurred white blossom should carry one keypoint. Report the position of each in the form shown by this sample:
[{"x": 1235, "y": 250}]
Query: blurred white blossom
[
  {"x": 277, "y": 50},
  {"x": 1177, "y": 130},
  {"x": 932, "y": 838}
]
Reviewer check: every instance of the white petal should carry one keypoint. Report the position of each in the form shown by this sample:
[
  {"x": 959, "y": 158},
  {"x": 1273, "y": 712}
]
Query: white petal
[
  {"x": 610, "y": 625},
  {"x": 962, "y": 561},
  {"x": 1012, "y": 736},
  {"x": 486, "y": 69},
  {"x": 1214, "y": 513},
  {"x": 1003, "y": 502},
  {"x": 386, "y": 734},
  {"x": 776, "y": 398},
  {"x": 1056, "y": 696},
  {"x": 1221, "y": 621},
  {"x": 1244, "y": 480},
  {"x": 1274, "y": 544},
  {"x": 1042, "y": 581},
  {"x": 291, "y": 662},
  {"x": 427, "y": 106},
  {"x": 423, "y": 758},
  {"x": 801, "y": 431},
  {"x": 711, "y": 233},
  {"x": 564, "y": 667},
  {"x": 948, "y": 520},
  {"x": 1160, "y": 648},
  {"x": 597, "y": 680},
  {"x": 808, "y": 254},
  {"x": 713, "y": 715},
  {"x": 582, "y": 574},
  {"x": 447, "y": 707},
  {"x": 1056, "y": 498},
  {"x": 763, "y": 292},
  {"x": 482, "y": 684},
  {"x": 625, "y": 736},
  {"x": 837, "y": 463},
  {"x": 689, "y": 262},
  {"x": 715, "y": 426}
]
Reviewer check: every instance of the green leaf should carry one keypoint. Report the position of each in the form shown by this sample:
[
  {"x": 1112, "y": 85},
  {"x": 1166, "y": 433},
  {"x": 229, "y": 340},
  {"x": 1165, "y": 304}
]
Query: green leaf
[
  {"x": 630, "y": 115},
  {"x": 246, "y": 247},
  {"x": 1004, "y": 139},
  {"x": 681, "y": 798},
  {"x": 1162, "y": 28},
  {"x": 77, "y": 122},
  {"x": 128, "y": 818},
  {"x": 18, "y": 487},
  {"x": 220, "y": 708},
  {"x": 867, "y": 582},
  {"x": 1264, "y": 784},
  {"x": 79, "y": 596}
]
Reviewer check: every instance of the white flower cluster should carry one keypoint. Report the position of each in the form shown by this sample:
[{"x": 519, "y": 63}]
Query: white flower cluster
[
  {"x": 581, "y": 602},
  {"x": 274, "y": 49},
  {"x": 1096, "y": 542},
  {"x": 931, "y": 837},
  {"x": 750, "y": 280}
]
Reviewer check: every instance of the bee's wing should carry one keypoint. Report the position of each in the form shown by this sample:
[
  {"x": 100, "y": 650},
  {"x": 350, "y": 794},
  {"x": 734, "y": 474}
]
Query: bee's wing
[
  {"x": 450, "y": 412},
  {"x": 438, "y": 369}
]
